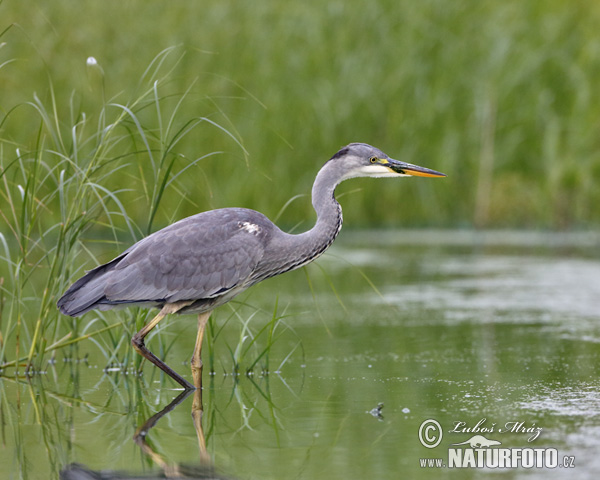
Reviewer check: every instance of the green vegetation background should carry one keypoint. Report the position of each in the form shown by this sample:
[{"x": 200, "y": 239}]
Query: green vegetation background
[
  {"x": 200, "y": 105},
  {"x": 501, "y": 96}
]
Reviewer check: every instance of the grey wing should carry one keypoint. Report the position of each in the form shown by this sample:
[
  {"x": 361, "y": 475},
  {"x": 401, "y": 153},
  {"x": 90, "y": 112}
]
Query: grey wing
[{"x": 200, "y": 257}]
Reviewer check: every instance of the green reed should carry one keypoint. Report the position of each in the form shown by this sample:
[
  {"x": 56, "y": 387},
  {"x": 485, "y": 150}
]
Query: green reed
[
  {"x": 60, "y": 188},
  {"x": 498, "y": 95}
]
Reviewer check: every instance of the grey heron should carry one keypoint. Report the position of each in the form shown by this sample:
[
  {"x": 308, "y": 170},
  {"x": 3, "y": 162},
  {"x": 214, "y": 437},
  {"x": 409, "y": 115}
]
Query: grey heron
[{"x": 203, "y": 261}]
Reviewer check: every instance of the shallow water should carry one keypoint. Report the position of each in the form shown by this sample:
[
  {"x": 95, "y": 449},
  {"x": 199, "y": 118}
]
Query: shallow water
[{"x": 495, "y": 334}]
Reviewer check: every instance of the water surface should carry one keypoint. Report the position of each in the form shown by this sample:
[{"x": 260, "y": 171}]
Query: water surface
[{"x": 496, "y": 329}]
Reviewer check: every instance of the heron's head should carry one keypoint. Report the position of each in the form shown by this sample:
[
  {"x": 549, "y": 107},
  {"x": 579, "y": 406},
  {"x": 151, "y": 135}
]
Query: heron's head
[{"x": 362, "y": 160}]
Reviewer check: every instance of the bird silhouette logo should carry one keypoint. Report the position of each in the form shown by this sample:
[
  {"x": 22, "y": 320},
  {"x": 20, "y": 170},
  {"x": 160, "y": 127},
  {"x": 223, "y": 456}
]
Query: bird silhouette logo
[{"x": 479, "y": 441}]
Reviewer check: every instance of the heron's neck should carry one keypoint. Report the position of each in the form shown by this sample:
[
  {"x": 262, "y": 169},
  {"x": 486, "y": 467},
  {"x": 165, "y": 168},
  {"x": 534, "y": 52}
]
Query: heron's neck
[
  {"x": 329, "y": 211},
  {"x": 311, "y": 244},
  {"x": 287, "y": 251}
]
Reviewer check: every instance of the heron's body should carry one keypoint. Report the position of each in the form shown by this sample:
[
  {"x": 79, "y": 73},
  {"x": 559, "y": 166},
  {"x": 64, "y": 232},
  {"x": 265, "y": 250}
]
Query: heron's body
[
  {"x": 209, "y": 258},
  {"x": 203, "y": 261}
]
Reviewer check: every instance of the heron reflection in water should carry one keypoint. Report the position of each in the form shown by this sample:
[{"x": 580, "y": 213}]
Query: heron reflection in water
[
  {"x": 202, "y": 468},
  {"x": 203, "y": 261}
]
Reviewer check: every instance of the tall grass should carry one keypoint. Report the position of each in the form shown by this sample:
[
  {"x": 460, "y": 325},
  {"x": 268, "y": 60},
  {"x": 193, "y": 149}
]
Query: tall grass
[
  {"x": 498, "y": 95},
  {"x": 249, "y": 355},
  {"x": 65, "y": 180}
]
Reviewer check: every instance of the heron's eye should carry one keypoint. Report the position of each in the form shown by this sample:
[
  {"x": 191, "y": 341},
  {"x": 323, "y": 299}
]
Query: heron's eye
[{"x": 373, "y": 159}]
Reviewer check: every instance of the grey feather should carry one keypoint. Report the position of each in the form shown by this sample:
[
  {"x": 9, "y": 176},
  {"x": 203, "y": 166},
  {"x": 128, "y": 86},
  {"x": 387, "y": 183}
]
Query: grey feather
[{"x": 181, "y": 262}]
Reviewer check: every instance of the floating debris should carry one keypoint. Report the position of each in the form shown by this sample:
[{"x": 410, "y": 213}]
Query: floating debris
[{"x": 376, "y": 412}]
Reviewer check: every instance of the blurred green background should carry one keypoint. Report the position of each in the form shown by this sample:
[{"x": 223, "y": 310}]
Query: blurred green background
[{"x": 501, "y": 96}]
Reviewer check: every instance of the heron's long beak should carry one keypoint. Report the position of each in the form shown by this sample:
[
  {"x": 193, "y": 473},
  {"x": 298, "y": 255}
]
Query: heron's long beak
[{"x": 404, "y": 168}]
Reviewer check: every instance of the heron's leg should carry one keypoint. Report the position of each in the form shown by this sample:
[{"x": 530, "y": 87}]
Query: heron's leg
[
  {"x": 138, "y": 343},
  {"x": 197, "y": 407},
  {"x": 141, "y": 435},
  {"x": 197, "y": 411},
  {"x": 196, "y": 357}
]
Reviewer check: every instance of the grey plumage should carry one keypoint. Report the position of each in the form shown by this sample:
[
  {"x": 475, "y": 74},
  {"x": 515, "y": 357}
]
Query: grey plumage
[
  {"x": 203, "y": 261},
  {"x": 198, "y": 258}
]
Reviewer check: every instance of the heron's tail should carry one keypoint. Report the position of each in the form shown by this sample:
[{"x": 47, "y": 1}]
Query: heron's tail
[{"x": 87, "y": 293}]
